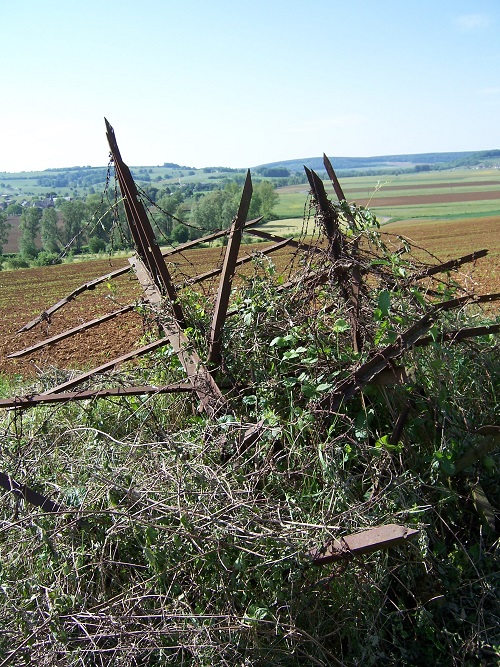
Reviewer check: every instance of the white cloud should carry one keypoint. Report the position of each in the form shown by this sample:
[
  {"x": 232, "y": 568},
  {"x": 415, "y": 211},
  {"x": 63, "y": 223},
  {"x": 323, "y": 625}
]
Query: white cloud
[{"x": 469, "y": 22}]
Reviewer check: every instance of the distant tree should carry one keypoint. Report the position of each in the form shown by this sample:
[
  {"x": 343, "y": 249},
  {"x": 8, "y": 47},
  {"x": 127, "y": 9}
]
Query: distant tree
[
  {"x": 169, "y": 205},
  {"x": 74, "y": 213},
  {"x": 14, "y": 209},
  {"x": 269, "y": 198},
  {"x": 48, "y": 230},
  {"x": 216, "y": 209},
  {"x": 180, "y": 233},
  {"x": 29, "y": 226},
  {"x": 4, "y": 230}
]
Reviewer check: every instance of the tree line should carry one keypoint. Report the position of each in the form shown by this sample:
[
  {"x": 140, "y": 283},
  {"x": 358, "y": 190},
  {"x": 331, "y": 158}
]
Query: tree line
[{"x": 98, "y": 225}]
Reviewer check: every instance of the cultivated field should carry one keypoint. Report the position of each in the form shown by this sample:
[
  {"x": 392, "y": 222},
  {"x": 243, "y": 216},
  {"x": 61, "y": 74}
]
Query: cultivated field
[{"x": 27, "y": 292}]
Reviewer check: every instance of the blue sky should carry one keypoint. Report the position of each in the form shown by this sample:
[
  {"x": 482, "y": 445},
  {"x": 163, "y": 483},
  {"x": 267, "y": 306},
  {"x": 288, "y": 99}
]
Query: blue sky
[{"x": 241, "y": 83}]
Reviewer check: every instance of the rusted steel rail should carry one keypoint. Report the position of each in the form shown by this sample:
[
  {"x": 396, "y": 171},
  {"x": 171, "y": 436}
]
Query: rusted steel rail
[
  {"x": 211, "y": 399},
  {"x": 461, "y": 334},
  {"x": 70, "y": 332},
  {"x": 92, "y": 284},
  {"x": 356, "y": 279},
  {"x": 329, "y": 217},
  {"x": 62, "y": 397},
  {"x": 228, "y": 269},
  {"x": 449, "y": 266},
  {"x": 140, "y": 227},
  {"x": 29, "y": 495},
  {"x": 368, "y": 541},
  {"x": 239, "y": 262},
  {"x": 380, "y": 359},
  {"x": 74, "y": 382},
  {"x": 337, "y": 245}
]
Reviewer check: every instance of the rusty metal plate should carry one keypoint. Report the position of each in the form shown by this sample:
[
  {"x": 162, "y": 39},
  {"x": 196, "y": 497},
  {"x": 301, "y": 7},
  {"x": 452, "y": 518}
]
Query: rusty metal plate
[{"x": 382, "y": 537}]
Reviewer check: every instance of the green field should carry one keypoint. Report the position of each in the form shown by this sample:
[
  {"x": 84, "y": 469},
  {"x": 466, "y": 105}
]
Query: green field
[{"x": 372, "y": 191}]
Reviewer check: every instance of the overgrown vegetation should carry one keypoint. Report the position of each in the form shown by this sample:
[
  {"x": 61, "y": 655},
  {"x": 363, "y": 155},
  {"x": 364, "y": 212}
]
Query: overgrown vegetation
[{"x": 179, "y": 546}]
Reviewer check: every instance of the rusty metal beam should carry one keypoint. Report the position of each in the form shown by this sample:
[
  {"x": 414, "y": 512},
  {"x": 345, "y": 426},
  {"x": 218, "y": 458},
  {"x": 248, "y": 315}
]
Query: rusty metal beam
[
  {"x": 62, "y": 397},
  {"x": 228, "y": 268},
  {"x": 449, "y": 266},
  {"x": 275, "y": 238},
  {"x": 329, "y": 217},
  {"x": 139, "y": 221},
  {"x": 107, "y": 366},
  {"x": 211, "y": 399},
  {"x": 91, "y": 284},
  {"x": 70, "y": 332},
  {"x": 380, "y": 359},
  {"x": 239, "y": 262},
  {"x": 375, "y": 539},
  {"x": 461, "y": 334},
  {"x": 28, "y": 495}
]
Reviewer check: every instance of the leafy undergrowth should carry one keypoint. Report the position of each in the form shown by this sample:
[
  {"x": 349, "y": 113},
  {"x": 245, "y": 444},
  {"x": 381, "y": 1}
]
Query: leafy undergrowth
[{"x": 178, "y": 545}]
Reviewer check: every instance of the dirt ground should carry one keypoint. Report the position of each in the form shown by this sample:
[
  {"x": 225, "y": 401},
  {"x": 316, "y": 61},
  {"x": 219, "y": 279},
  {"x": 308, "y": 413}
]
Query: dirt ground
[{"x": 26, "y": 293}]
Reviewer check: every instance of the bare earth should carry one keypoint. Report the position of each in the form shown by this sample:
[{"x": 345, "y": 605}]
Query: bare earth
[{"x": 27, "y": 292}]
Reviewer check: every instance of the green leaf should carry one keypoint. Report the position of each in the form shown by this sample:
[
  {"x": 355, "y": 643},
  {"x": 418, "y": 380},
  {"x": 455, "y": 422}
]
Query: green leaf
[{"x": 384, "y": 302}]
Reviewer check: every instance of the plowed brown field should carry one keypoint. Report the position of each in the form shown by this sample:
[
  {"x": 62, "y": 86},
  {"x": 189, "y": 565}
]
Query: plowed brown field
[{"x": 25, "y": 293}]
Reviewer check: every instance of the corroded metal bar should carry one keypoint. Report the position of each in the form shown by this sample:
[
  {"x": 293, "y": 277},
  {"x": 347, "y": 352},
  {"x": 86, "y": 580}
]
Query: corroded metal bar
[
  {"x": 375, "y": 539},
  {"x": 30, "y": 401},
  {"x": 91, "y": 284},
  {"x": 27, "y": 494},
  {"x": 107, "y": 366},
  {"x": 239, "y": 262},
  {"x": 228, "y": 268},
  {"x": 329, "y": 216},
  {"x": 137, "y": 217},
  {"x": 211, "y": 399},
  {"x": 449, "y": 266},
  {"x": 461, "y": 334},
  {"x": 70, "y": 332}
]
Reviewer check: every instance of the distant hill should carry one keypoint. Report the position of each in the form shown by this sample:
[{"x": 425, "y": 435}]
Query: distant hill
[{"x": 434, "y": 160}]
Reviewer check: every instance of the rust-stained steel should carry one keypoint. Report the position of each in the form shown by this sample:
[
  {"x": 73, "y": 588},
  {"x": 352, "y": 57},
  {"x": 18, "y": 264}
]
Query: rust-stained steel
[
  {"x": 74, "y": 382},
  {"x": 140, "y": 226},
  {"x": 29, "y": 495},
  {"x": 449, "y": 266},
  {"x": 211, "y": 399},
  {"x": 239, "y": 262},
  {"x": 228, "y": 268},
  {"x": 70, "y": 332},
  {"x": 461, "y": 334},
  {"x": 277, "y": 239},
  {"x": 375, "y": 539},
  {"x": 380, "y": 359},
  {"x": 62, "y": 397},
  {"x": 330, "y": 220},
  {"x": 329, "y": 216},
  {"x": 356, "y": 279},
  {"x": 92, "y": 284}
]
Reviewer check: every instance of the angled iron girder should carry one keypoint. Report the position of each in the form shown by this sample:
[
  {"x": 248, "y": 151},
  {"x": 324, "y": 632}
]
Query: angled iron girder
[
  {"x": 140, "y": 227},
  {"x": 228, "y": 269},
  {"x": 91, "y": 284},
  {"x": 62, "y": 397},
  {"x": 211, "y": 399},
  {"x": 375, "y": 539},
  {"x": 29, "y": 495},
  {"x": 70, "y": 332}
]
